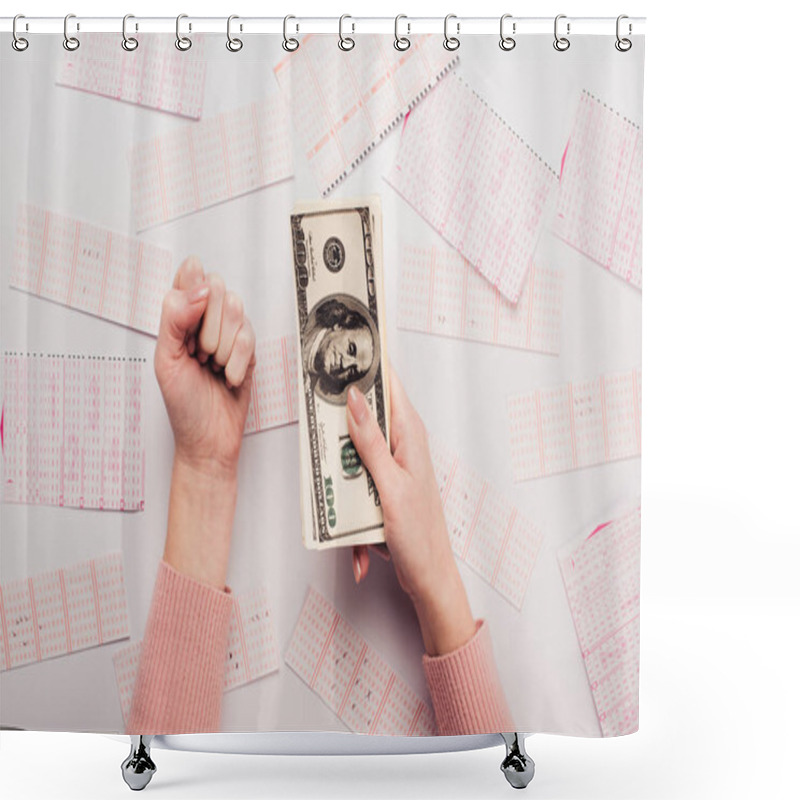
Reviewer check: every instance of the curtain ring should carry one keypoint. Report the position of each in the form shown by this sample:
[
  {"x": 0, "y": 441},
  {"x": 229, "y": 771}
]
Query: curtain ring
[
  {"x": 401, "y": 42},
  {"x": 129, "y": 43},
  {"x": 507, "y": 42},
  {"x": 346, "y": 42},
  {"x": 181, "y": 42},
  {"x": 18, "y": 42},
  {"x": 623, "y": 44},
  {"x": 234, "y": 44},
  {"x": 70, "y": 42},
  {"x": 451, "y": 42},
  {"x": 561, "y": 43},
  {"x": 290, "y": 44}
]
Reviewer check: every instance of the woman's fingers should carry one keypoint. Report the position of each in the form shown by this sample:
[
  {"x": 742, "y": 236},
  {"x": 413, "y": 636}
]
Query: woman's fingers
[
  {"x": 180, "y": 310},
  {"x": 370, "y": 443},
  {"x": 360, "y": 562},
  {"x": 208, "y": 338},
  {"x": 189, "y": 274},
  {"x": 407, "y": 430},
  {"x": 232, "y": 320},
  {"x": 242, "y": 354},
  {"x": 223, "y": 333}
]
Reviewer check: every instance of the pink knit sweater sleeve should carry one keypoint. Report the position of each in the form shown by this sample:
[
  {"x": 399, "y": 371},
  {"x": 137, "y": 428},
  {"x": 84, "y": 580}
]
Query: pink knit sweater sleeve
[
  {"x": 465, "y": 688},
  {"x": 181, "y": 668}
]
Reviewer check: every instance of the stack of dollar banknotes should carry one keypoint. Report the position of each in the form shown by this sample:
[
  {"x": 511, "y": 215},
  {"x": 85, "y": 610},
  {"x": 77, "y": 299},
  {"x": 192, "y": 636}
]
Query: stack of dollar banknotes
[{"x": 338, "y": 271}]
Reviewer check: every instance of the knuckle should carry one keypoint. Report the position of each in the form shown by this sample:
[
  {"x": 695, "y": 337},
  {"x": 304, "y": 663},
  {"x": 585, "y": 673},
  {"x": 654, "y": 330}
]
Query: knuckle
[
  {"x": 215, "y": 282},
  {"x": 234, "y": 306},
  {"x": 192, "y": 265},
  {"x": 246, "y": 337}
]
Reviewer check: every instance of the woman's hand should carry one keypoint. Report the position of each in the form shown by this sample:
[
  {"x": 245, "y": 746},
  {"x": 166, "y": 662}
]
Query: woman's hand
[
  {"x": 204, "y": 361},
  {"x": 414, "y": 524},
  {"x": 205, "y": 333}
]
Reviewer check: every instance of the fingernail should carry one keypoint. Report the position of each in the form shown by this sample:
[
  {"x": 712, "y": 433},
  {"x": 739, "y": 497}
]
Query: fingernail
[
  {"x": 357, "y": 404},
  {"x": 198, "y": 293},
  {"x": 357, "y": 566}
]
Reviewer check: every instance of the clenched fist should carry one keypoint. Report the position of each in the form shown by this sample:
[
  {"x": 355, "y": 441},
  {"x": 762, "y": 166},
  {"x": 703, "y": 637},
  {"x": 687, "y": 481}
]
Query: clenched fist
[{"x": 204, "y": 361}]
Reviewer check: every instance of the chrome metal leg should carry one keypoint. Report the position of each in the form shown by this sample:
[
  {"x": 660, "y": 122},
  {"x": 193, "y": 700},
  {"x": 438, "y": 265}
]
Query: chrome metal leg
[
  {"x": 138, "y": 768},
  {"x": 517, "y": 766}
]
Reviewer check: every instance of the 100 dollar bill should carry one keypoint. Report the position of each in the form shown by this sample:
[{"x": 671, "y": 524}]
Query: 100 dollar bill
[{"x": 338, "y": 271}]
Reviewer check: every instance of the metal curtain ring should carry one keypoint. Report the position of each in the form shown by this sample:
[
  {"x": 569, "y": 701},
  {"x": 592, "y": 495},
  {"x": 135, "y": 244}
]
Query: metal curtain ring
[
  {"x": 346, "y": 42},
  {"x": 507, "y": 42},
  {"x": 451, "y": 42},
  {"x": 129, "y": 43},
  {"x": 181, "y": 42},
  {"x": 401, "y": 42},
  {"x": 19, "y": 43},
  {"x": 561, "y": 43},
  {"x": 234, "y": 44},
  {"x": 623, "y": 44},
  {"x": 290, "y": 44},
  {"x": 70, "y": 42}
]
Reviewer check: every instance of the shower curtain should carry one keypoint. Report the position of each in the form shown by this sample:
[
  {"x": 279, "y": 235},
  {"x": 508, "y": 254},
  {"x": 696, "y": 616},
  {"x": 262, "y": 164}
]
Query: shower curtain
[{"x": 321, "y": 383}]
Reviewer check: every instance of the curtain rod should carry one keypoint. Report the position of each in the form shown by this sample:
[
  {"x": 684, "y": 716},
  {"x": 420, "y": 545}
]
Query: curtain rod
[{"x": 462, "y": 26}]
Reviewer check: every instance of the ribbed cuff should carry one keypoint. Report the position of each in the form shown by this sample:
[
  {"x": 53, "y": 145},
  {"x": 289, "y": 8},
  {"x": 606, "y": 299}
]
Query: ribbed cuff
[
  {"x": 181, "y": 669},
  {"x": 465, "y": 688}
]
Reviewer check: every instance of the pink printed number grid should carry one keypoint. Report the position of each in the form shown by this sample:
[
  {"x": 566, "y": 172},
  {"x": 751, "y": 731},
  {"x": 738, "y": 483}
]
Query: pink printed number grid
[
  {"x": 599, "y": 208},
  {"x": 576, "y": 425},
  {"x": 71, "y": 431},
  {"x": 252, "y": 648},
  {"x": 273, "y": 395},
  {"x": 486, "y": 531},
  {"x": 335, "y": 661},
  {"x": 440, "y": 293},
  {"x": 58, "y": 612},
  {"x": 155, "y": 75},
  {"x": 91, "y": 269},
  {"x": 343, "y": 107},
  {"x": 601, "y": 578},
  {"x": 201, "y": 164},
  {"x": 475, "y": 181}
]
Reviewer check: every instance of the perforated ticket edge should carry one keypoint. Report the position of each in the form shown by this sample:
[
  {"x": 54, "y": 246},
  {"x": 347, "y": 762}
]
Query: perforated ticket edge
[
  {"x": 114, "y": 558},
  {"x": 312, "y": 592}
]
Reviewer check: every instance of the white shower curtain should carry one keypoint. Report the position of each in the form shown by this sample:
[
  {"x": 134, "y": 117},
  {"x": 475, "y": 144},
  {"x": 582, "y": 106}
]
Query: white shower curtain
[{"x": 504, "y": 202}]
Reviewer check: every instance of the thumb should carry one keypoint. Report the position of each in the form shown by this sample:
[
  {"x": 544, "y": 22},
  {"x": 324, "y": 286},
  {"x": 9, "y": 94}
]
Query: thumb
[
  {"x": 369, "y": 441},
  {"x": 180, "y": 312}
]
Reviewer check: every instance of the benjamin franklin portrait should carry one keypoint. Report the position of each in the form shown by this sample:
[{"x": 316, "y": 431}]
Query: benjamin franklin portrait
[{"x": 340, "y": 347}]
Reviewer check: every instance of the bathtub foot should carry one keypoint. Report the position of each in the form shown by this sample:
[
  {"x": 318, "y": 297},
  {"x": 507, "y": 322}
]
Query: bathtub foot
[
  {"x": 138, "y": 768},
  {"x": 517, "y": 766}
]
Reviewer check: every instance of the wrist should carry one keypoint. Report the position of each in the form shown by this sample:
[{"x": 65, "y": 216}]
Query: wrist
[
  {"x": 201, "y": 509},
  {"x": 444, "y": 615},
  {"x": 206, "y": 469}
]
